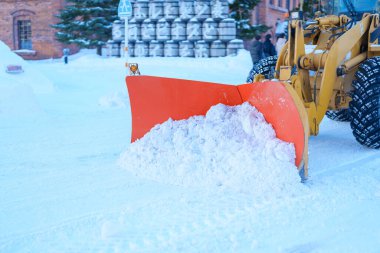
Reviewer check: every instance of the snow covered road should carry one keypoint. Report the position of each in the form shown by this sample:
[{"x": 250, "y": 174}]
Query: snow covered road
[{"x": 61, "y": 189}]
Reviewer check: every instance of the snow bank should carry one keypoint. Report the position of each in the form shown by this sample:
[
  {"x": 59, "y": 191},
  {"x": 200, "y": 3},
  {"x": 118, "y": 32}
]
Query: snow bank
[
  {"x": 231, "y": 148},
  {"x": 17, "y": 99},
  {"x": 30, "y": 77},
  {"x": 114, "y": 100},
  {"x": 17, "y": 91},
  {"x": 237, "y": 67}
]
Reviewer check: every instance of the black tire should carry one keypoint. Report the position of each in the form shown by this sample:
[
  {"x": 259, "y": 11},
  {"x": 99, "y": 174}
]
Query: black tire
[
  {"x": 265, "y": 67},
  {"x": 342, "y": 115},
  {"x": 365, "y": 104}
]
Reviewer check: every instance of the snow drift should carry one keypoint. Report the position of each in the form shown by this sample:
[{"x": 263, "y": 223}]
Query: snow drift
[
  {"x": 232, "y": 147},
  {"x": 17, "y": 91},
  {"x": 32, "y": 77}
]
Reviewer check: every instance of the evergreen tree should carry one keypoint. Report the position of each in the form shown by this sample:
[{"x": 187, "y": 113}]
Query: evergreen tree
[
  {"x": 241, "y": 12},
  {"x": 87, "y": 23}
]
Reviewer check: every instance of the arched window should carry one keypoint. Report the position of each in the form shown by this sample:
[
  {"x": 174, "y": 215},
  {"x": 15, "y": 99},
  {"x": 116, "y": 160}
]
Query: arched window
[
  {"x": 24, "y": 34},
  {"x": 22, "y": 29}
]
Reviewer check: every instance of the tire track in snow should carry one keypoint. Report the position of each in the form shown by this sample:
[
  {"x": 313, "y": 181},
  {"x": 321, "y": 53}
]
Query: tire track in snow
[{"x": 349, "y": 166}]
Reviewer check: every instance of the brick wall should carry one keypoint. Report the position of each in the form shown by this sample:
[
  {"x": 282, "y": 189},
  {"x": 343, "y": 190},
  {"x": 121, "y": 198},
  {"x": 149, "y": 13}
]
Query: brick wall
[
  {"x": 268, "y": 11},
  {"x": 41, "y": 13}
]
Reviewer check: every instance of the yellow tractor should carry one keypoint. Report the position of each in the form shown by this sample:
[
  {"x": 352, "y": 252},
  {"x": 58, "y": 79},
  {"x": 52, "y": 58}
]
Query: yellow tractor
[
  {"x": 332, "y": 62},
  {"x": 329, "y": 64}
]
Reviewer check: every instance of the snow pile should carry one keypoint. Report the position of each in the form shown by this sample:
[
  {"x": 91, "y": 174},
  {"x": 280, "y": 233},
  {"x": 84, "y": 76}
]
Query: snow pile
[
  {"x": 231, "y": 148},
  {"x": 31, "y": 77},
  {"x": 17, "y": 91},
  {"x": 114, "y": 100},
  {"x": 17, "y": 100}
]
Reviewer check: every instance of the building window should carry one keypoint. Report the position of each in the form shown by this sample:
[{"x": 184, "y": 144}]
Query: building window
[
  {"x": 288, "y": 4},
  {"x": 279, "y": 3},
  {"x": 24, "y": 32},
  {"x": 271, "y": 2}
]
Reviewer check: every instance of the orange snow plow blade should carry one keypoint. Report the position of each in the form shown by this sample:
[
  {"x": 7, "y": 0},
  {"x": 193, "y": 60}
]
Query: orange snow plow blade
[{"x": 156, "y": 99}]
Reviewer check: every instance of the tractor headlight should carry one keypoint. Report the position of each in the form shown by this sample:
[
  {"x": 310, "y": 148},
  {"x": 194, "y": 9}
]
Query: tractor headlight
[{"x": 296, "y": 15}]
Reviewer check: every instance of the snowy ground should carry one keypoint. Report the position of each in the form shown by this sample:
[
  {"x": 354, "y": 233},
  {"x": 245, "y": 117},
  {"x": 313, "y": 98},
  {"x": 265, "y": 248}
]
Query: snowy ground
[{"x": 61, "y": 189}]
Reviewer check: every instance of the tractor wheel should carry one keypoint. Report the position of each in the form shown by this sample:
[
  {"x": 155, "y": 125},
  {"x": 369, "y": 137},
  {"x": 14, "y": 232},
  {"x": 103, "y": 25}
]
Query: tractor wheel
[
  {"x": 339, "y": 115},
  {"x": 365, "y": 104},
  {"x": 265, "y": 67}
]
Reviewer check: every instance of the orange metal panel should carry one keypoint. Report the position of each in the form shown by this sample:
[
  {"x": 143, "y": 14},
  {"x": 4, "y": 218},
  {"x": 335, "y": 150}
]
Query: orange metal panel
[
  {"x": 156, "y": 99},
  {"x": 278, "y": 106}
]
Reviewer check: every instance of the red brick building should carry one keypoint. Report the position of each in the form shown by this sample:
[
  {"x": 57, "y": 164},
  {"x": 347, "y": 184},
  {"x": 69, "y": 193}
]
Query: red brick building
[
  {"x": 25, "y": 24},
  {"x": 268, "y": 11},
  {"x": 25, "y": 27}
]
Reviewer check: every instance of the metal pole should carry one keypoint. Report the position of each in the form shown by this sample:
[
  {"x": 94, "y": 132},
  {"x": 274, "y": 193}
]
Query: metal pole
[{"x": 126, "y": 44}]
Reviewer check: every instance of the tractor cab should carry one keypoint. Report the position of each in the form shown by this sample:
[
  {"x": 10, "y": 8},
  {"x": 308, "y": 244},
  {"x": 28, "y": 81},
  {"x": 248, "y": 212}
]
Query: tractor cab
[{"x": 352, "y": 8}]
